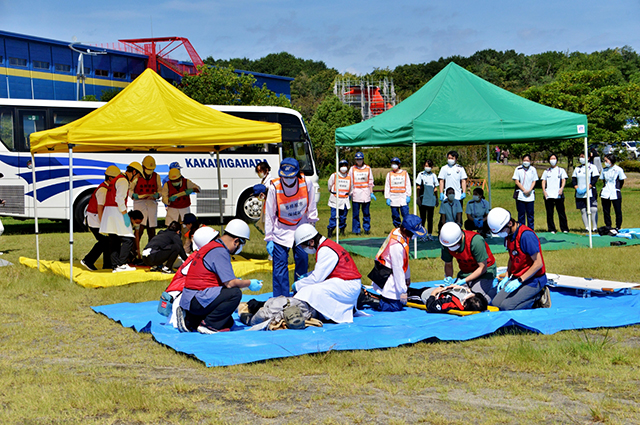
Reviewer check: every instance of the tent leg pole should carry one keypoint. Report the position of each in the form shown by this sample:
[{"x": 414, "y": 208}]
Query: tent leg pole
[
  {"x": 219, "y": 191},
  {"x": 70, "y": 213},
  {"x": 337, "y": 196},
  {"x": 35, "y": 207},
  {"x": 489, "y": 173},
  {"x": 415, "y": 202},
  {"x": 588, "y": 177}
]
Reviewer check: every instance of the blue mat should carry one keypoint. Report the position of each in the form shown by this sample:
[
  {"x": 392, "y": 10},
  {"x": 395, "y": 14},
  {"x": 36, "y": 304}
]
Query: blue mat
[{"x": 382, "y": 330}]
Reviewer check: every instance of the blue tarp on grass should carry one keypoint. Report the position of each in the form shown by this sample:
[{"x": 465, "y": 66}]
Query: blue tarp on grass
[{"x": 381, "y": 330}]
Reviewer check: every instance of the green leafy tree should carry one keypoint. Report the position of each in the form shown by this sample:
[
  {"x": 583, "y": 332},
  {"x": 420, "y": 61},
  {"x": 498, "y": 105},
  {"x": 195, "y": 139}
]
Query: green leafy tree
[{"x": 109, "y": 94}]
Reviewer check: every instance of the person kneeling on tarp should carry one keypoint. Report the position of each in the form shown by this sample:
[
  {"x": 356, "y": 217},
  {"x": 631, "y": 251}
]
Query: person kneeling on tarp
[
  {"x": 391, "y": 275},
  {"x": 442, "y": 299},
  {"x": 476, "y": 262},
  {"x": 332, "y": 288},
  {"x": 526, "y": 282},
  {"x": 211, "y": 290},
  {"x": 164, "y": 248}
]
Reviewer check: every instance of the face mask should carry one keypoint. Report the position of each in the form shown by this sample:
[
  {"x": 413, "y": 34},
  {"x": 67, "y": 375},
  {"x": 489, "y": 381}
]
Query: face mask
[
  {"x": 553, "y": 162},
  {"x": 309, "y": 250},
  {"x": 451, "y": 162},
  {"x": 136, "y": 227},
  {"x": 359, "y": 162},
  {"x": 289, "y": 182},
  {"x": 427, "y": 169},
  {"x": 343, "y": 170},
  {"x": 239, "y": 249},
  {"x": 526, "y": 164},
  {"x": 176, "y": 184},
  {"x": 394, "y": 167},
  {"x": 476, "y": 198},
  {"x": 261, "y": 175},
  {"x": 583, "y": 161},
  {"x": 607, "y": 165},
  {"x": 503, "y": 234},
  {"x": 454, "y": 248},
  {"x": 451, "y": 197}
]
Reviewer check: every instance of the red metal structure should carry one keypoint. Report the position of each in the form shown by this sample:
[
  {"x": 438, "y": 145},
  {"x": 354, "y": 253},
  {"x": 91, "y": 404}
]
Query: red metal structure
[{"x": 159, "y": 54}]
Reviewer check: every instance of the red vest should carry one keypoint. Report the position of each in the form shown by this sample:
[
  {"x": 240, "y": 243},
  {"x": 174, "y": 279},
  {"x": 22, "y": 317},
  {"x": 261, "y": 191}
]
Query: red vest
[
  {"x": 177, "y": 283},
  {"x": 346, "y": 268},
  {"x": 93, "y": 201},
  {"x": 466, "y": 260},
  {"x": 521, "y": 262},
  {"x": 182, "y": 201},
  {"x": 199, "y": 277},
  {"x": 110, "y": 200},
  {"x": 146, "y": 187}
]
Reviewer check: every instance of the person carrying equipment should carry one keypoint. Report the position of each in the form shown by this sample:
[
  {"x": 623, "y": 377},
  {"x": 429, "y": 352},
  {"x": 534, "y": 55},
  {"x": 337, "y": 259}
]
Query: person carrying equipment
[
  {"x": 94, "y": 213},
  {"x": 613, "y": 177},
  {"x": 391, "y": 275},
  {"x": 525, "y": 285},
  {"x": 332, "y": 288},
  {"x": 175, "y": 194},
  {"x": 579, "y": 183},
  {"x": 475, "y": 260},
  {"x": 145, "y": 191},
  {"x": 211, "y": 290},
  {"x": 397, "y": 191},
  {"x": 340, "y": 189},
  {"x": 291, "y": 202},
  {"x": 115, "y": 220},
  {"x": 362, "y": 178},
  {"x": 453, "y": 175},
  {"x": 165, "y": 248}
]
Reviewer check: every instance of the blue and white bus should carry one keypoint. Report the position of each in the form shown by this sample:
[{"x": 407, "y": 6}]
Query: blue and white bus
[{"x": 21, "y": 117}]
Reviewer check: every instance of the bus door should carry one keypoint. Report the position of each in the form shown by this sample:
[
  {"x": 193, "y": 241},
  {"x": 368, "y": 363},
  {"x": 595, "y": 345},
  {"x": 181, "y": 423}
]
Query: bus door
[{"x": 30, "y": 121}]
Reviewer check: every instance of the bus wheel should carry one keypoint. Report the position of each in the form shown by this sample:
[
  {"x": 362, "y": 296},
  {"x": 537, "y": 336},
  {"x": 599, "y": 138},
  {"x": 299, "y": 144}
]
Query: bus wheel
[
  {"x": 249, "y": 207},
  {"x": 79, "y": 210}
]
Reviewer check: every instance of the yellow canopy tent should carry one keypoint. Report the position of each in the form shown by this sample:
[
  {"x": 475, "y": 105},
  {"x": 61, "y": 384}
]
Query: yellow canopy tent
[{"x": 148, "y": 115}]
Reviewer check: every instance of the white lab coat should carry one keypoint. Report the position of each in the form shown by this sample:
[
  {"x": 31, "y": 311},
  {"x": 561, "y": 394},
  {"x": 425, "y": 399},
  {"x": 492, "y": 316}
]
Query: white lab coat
[
  {"x": 397, "y": 199},
  {"x": 361, "y": 195},
  {"x": 396, "y": 284},
  {"x": 333, "y": 198}
]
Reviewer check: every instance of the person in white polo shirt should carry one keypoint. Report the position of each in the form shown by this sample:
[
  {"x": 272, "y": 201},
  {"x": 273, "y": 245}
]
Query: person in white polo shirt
[
  {"x": 613, "y": 177},
  {"x": 580, "y": 183},
  {"x": 554, "y": 179},
  {"x": 525, "y": 178},
  {"x": 453, "y": 175}
]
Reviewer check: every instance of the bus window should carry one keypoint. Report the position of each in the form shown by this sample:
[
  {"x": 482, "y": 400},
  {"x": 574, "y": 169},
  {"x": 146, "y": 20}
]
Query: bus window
[
  {"x": 61, "y": 117},
  {"x": 31, "y": 121},
  {"x": 301, "y": 152},
  {"x": 292, "y": 130},
  {"x": 6, "y": 128}
]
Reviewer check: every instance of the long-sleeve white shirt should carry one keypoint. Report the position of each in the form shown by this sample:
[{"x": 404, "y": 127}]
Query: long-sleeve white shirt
[
  {"x": 396, "y": 284},
  {"x": 397, "y": 199},
  {"x": 279, "y": 232},
  {"x": 361, "y": 195},
  {"x": 333, "y": 198}
]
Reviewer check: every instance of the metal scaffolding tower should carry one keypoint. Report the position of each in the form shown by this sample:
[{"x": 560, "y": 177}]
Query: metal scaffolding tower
[{"x": 372, "y": 97}]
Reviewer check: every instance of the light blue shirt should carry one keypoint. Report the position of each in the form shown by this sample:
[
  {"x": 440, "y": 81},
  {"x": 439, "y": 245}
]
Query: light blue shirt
[
  {"x": 428, "y": 182},
  {"x": 479, "y": 209}
]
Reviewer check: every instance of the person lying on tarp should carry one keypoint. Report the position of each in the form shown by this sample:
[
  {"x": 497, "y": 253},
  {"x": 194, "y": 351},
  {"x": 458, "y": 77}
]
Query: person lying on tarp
[
  {"x": 164, "y": 248},
  {"x": 525, "y": 285},
  {"x": 211, "y": 290},
  {"x": 278, "y": 313},
  {"x": 474, "y": 257},
  {"x": 333, "y": 286},
  {"x": 391, "y": 275},
  {"x": 454, "y": 297},
  {"x": 170, "y": 298}
]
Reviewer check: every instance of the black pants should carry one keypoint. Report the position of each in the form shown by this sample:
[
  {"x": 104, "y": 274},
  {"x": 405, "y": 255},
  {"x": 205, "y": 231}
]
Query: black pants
[
  {"x": 558, "y": 204},
  {"x": 168, "y": 256},
  {"x": 471, "y": 225},
  {"x": 120, "y": 246},
  {"x": 426, "y": 215},
  {"x": 101, "y": 247},
  {"x": 216, "y": 315},
  {"x": 606, "y": 210}
]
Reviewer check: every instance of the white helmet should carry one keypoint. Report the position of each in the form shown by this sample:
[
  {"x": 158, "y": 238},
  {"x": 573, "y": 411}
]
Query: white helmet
[
  {"x": 238, "y": 228},
  {"x": 304, "y": 233},
  {"x": 497, "y": 219},
  {"x": 203, "y": 236},
  {"x": 450, "y": 234}
]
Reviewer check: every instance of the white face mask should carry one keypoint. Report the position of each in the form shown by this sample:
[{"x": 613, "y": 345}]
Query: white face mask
[
  {"x": 454, "y": 248},
  {"x": 451, "y": 162},
  {"x": 394, "y": 167},
  {"x": 427, "y": 169},
  {"x": 503, "y": 234},
  {"x": 583, "y": 161},
  {"x": 476, "y": 198},
  {"x": 451, "y": 196},
  {"x": 289, "y": 181},
  {"x": 261, "y": 175},
  {"x": 309, "y": 250},
  {"x": 343, "y": 170},
  {"x": 238, "y": 249},
  {"x": 607, "y": 164},
  {"x": 553, "y": 162},
  {"x": 359, "y": 162},
  {"x": 526, "y": 164}
]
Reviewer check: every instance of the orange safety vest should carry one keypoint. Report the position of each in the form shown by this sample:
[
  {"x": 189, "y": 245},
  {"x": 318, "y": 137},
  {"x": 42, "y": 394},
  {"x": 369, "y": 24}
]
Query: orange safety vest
[
  {"x": 361, "y": 177},
  {"x": 398, "y": 181},
  {"x": 344, "y": 185},
  {"x": 394, "y": 237},
  {"x": 291, "y": 209}
]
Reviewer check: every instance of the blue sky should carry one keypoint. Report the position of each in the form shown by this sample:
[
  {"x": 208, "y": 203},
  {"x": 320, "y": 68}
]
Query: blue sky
[{"x": 355, "y": 36}]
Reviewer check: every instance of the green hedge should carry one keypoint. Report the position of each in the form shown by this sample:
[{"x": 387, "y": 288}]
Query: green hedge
[{"x": 630, "y": 166}]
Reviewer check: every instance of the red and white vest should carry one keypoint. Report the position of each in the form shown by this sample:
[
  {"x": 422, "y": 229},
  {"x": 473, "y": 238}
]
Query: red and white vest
[
  {"x": 394, "y": 237},
  {"x": 291, "y": 209},
  {"x": 93, "y": 201},
  {"x": 110, "y": 200},
  {"x": 466, "y": 260},
  {"x": 179, "y": 279},
  {"x": 182, "y": 201},
  {"x": 346, "y": 268},
  {"x": 146, "y": 187},
  {"x": 199, "y": 277},
  {"x": 521, "y": 262}
]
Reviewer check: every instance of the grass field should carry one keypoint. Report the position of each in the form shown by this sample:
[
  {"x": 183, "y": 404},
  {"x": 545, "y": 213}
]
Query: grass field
[{"x": 62, "y": 363}]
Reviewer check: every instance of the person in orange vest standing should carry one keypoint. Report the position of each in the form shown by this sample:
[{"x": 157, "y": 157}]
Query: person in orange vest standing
[
  {"x": 291, "y": 202},
  {"x": 362, "y": 178},
  {"x": 145, "y": 191},
  {"x": 94, "y": 213},
  {"x": 340, "y": 189},
  {"x": 175, "y": 194},
  {"x": 397, "y": 191}
]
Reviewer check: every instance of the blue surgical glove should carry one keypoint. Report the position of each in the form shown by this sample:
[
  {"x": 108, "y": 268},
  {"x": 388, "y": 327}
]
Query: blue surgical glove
[
  {"x": 479, "y": 223},
  {"x": 189, "y": 191},
  {"x": 127, "y": 219},
  {"x": 172, "y": 198},
  {"x": 374, "y": 197},
  {"x": 258, "y": 189},
  {"x": 293, "y": 288},
  {"x": 449, "y": 280},
  {"x": 135, "y": 196},
  {"x": 156, "y": 195},
  {"x": 512, "y": 285},
  {"x": 462, "y": 196},
  {"x": 270, "y": 246},
  {"x": 503, "y": 282},
  {"x": 442, "y": 197},
  {"x": 302, "y": 277},
  {"x": 408, "y": 199},
  {"x": 255, "y": 285},
  {"x": 389, "y": 202}
]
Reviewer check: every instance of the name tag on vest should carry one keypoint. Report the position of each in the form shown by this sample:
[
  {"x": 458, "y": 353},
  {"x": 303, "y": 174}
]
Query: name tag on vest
[
  {"x": 397, "y": 180},
  {"x": 294, "y": 209},
  {"x": 361, "y": 177}
]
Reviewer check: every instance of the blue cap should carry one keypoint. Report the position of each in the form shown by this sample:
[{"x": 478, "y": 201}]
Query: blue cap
[
  {"x": 175, "y": 164},
  {"x": 289, "y": 167},
  {"x": 344, "y": 162},
  {"x": 359, "y": 155},
  {"x": 396, "y": 160},
  {"x": 413, "y": 224},
  {"x": 258, "y": 189}
]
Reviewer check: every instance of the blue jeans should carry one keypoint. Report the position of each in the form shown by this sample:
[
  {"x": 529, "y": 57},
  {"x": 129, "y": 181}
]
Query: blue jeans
[
  {"x": 343, "y": 219},
  {"x": 395, "y": 214},
  {"x": 523, "y": 297},
  {"x": 387, "y": 304},
  {"x": 366, "y": 217},
  {"x": 281, "y": 267},
  {"x": 525, "y": 209}
]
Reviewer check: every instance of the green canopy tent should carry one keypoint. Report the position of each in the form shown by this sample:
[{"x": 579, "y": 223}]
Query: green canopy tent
[{"x": 457, "y": 107}]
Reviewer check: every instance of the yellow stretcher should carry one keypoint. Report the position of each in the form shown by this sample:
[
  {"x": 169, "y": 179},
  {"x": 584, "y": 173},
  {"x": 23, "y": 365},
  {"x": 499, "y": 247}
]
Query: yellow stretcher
[{"x": 455, "y": 312}]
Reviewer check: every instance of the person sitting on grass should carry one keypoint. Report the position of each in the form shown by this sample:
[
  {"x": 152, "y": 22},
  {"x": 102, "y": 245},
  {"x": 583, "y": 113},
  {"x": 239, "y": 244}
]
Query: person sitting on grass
[
  {"x": 450, "y": 209},
  {"x": 165, "y": 248},
  {"x": 441, "y": 299}
]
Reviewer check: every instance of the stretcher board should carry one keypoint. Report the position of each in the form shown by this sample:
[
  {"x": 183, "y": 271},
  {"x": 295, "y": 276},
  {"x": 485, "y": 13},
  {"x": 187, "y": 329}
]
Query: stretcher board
[
  {"x": 584, "y": 285},
  {"x": 453, "y": 311}
]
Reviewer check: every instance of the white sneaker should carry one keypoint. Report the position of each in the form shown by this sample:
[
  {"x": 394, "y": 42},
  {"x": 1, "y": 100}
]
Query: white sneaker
[{"x": 124, "y": 268}]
